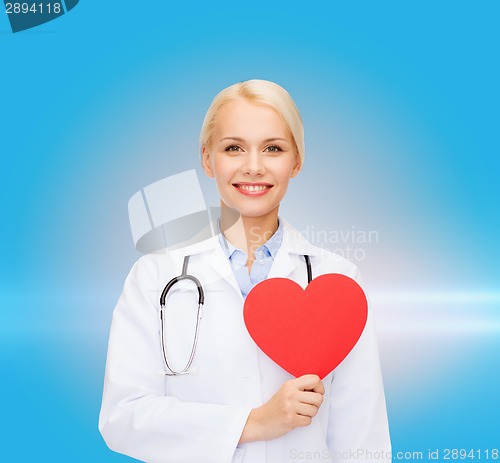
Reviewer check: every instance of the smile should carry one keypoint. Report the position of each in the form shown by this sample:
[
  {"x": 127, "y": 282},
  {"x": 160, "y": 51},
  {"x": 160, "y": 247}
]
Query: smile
[{"x": 253, "y": 189}]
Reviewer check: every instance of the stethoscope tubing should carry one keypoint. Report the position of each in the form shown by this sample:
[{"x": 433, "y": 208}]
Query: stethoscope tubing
[{"x": 201, "y": 300}]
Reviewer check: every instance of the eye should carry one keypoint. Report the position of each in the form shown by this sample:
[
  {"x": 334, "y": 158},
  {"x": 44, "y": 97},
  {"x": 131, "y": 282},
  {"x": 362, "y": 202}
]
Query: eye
[
  {"x": 273, "y": 149},
  {"x": 233, "y": 148}
]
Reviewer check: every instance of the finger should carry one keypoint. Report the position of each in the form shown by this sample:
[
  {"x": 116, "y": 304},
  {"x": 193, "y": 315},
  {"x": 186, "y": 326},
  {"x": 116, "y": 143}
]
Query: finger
[
  {"x": 311, "y": 398},
  {"x": 319, "y": 388},
  {"x": 307, "y": 410},
  {"x": 307, "y": 382},
  {"x": 302, "y": 420}
]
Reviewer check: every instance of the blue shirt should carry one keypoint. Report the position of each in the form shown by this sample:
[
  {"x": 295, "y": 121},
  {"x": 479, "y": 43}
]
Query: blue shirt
[{"x": 264, "y": 258}]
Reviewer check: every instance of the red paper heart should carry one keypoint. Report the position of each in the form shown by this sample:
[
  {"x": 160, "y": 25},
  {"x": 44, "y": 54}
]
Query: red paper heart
[{"x": 309, "y": 331}]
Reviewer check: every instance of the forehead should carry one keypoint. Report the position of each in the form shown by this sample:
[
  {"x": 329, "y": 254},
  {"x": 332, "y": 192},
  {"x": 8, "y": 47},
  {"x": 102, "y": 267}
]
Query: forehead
[{"x": 242, "y": 116}]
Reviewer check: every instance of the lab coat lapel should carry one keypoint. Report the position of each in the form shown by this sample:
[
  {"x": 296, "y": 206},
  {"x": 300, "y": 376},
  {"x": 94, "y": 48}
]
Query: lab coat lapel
[
  {"x": 283, "y": 265},
  {"x": 293, "y": 243},
  {"x": 221, "y": 267},
  {"x": 218, "y": 266}
]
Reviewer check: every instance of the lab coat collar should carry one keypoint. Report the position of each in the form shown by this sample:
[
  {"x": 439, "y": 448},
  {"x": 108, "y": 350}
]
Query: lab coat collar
[
  {"x": 283, "y": 265},
  {"x": 293, "y": 243}
]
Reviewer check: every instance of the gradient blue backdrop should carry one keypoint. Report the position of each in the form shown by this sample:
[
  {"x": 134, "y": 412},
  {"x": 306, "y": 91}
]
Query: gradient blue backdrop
[{"x": 400, "y": 103}]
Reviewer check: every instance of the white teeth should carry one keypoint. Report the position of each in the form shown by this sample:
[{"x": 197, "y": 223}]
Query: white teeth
[{"x": 252, "y": 187}]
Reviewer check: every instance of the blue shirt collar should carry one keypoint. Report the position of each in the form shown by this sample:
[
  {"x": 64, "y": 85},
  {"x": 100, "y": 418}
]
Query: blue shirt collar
[{"x": 271, "y": 246}]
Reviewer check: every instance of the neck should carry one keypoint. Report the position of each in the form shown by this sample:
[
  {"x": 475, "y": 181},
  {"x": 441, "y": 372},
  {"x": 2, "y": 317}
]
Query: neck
[{"x": 247, "y": 233}]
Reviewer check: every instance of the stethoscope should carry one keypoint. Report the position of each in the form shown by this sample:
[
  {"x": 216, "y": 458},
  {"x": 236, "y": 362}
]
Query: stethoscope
[{"x": 201, "y": 299}]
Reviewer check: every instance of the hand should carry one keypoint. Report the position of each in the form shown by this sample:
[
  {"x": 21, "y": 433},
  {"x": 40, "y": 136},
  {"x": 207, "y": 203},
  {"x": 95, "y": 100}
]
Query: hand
[{"x": 294, "y": 405}]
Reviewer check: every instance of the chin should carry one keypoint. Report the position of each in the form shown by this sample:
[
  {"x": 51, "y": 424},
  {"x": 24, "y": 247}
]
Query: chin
[
  {"x": 251, "y": 207},
  {"x": 255, "y": 212}
]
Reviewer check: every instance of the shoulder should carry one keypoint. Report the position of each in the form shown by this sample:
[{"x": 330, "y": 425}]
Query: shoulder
[
  {"x": 330, "y": 262},
  {"x": 322, "y": 260},
  {"x": 146, "y": 269},
  {"x": 169, "y": 260}
]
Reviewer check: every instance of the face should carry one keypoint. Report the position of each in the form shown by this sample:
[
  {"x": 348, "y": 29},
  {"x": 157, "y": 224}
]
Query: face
[{"x": 252, "y": 158}]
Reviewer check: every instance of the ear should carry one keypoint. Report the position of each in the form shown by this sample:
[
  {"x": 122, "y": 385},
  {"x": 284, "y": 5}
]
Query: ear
[
  {"x": 297, "y": 166},
  {"x": 206, "y": 162}
]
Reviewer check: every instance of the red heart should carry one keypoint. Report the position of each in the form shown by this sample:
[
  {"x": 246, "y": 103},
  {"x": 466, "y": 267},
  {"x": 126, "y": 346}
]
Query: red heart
[{"x": 309, "y": 331}]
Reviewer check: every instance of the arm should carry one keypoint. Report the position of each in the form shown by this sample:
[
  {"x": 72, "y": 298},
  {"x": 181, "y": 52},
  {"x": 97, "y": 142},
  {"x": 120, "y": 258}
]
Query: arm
[{"x": 138, "y": 417}]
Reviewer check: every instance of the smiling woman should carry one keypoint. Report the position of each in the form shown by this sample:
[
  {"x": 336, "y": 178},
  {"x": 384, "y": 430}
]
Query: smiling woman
[
  {"x": 233, "y": 403},
  {"x": 252, "y": 155}
]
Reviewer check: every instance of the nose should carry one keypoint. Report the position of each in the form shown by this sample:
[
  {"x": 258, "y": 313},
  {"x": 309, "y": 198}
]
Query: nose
[{"x": 253, "y": 163}]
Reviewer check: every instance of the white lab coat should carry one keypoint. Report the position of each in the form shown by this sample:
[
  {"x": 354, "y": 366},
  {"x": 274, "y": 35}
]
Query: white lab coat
[{"x": 199, "y": 417}]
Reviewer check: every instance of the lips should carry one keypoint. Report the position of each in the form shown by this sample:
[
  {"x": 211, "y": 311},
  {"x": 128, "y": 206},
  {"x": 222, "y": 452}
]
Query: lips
[{"x": 253, "y": 189}]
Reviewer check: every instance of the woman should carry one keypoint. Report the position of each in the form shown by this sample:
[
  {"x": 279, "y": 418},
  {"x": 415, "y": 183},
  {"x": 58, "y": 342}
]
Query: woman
[{"x": 236, "y": 404}]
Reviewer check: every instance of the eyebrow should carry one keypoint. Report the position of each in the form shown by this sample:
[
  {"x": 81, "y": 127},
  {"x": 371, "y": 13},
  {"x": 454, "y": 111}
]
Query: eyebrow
[{"x": 242, "y": 140}]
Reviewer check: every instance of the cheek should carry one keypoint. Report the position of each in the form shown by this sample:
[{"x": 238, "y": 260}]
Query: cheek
[
  {"x": 223, "y": 171},
  {"x": 284, "y": 172}
]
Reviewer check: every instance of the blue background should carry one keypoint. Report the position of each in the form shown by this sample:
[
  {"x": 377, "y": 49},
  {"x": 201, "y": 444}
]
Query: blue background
[{"x": 400, "y": 104}]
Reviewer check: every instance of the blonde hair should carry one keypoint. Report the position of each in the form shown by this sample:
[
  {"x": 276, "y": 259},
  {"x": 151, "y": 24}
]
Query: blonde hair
[{"x": 259, "y": 92}]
